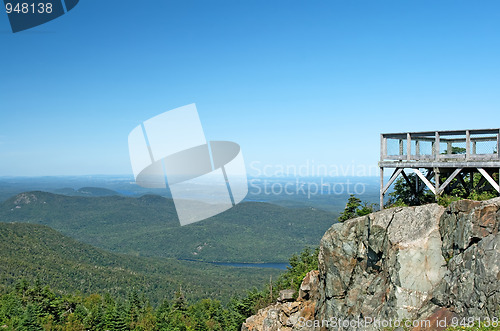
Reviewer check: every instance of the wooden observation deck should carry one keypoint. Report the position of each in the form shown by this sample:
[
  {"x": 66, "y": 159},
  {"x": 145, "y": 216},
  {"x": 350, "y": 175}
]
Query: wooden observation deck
[{"x": 452, "y": 154}]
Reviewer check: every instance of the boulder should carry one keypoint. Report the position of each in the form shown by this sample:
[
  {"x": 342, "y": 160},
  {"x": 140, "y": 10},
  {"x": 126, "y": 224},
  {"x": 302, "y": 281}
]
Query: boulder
[{"x": 288, "y": 315}]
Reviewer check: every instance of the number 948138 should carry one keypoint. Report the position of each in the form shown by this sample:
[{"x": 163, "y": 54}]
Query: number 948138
[{"x": 25, "y": 8}]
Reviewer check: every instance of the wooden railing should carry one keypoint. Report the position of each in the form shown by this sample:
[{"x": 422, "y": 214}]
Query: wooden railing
[{"x": 459, "y": 145}]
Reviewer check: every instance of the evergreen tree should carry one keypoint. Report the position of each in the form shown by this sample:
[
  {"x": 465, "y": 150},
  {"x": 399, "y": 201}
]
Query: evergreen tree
[
  {"x": 30, "y": 320},
  {"x": 180, "y": 303},
  {"x": 162, "y": 314},
  {"x": 114, "y": 319},
  {"x": 355, "y": 207}
]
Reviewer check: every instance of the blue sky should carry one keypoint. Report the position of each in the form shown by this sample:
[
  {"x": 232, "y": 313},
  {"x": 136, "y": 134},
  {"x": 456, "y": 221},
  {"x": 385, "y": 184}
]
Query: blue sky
[{"x": 290, "y": 81}]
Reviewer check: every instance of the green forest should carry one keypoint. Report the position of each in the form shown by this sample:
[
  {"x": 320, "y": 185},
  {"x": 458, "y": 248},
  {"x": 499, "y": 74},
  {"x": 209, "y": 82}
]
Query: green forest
[
  {"x": 148, "y": 226},
  {"x": 51, "y": 281},
  {"x": 39, "y": 253},
  {"x": 33, "y": 306}
]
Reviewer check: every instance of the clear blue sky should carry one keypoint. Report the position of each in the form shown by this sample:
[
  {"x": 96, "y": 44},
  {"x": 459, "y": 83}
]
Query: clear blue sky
[{"x": 290, "y": 81}]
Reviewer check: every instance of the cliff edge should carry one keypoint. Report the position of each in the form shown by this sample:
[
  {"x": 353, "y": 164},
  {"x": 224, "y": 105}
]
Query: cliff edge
[{"x": 427, "y": 267}]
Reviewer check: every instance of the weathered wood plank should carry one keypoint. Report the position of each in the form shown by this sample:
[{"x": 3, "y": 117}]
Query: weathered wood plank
[
  {"x": 490, "y": 180},
  {"x": 448, "y": 181},
  {"x": 393, "y": 178},
  {"x": 426, "y": 182},
  {"x": 382, "y": 193}
]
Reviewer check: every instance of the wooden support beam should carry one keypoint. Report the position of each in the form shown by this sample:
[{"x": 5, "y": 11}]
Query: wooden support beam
[
  {"x": 395, "y": 174},
  {"x": 448, "y": 181},
  {"x": 490, "y": 180},
  {"x": 437, "y": 179},
  {"x": 480, "y": 183},
  {"x": 429, "y": 176},
  {"x": 381, "y": 188},
  {"x": 417, "y": 186},
  {"x": 425, "y": 180},
  {"x": 464, "y": 184},
  {"x": 406, "y": 178},
  {"x": 471, "y": 181}
]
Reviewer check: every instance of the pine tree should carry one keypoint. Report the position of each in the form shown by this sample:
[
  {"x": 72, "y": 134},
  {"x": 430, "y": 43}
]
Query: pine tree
[
  {"x": 180, "y": 303},
  {"x": 350, "y": 209},
  {"x": 30, "y": 320}
]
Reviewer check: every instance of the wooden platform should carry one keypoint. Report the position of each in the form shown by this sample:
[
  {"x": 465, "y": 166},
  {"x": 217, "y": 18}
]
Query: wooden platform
[{"x": 453, "y": 153}]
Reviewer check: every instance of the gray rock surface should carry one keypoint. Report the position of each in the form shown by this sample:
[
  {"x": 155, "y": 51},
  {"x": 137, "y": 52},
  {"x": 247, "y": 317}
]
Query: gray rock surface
[
  {"x": 423, "y": 263},
  {"x": 288, "y": 316},
  {"x": 471, "y": 244},
  {"x": 383, "y": 265}
]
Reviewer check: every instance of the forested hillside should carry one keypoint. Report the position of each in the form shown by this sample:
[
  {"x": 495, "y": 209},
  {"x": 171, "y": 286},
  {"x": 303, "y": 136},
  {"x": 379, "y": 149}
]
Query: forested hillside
[
  {"x": 40, "y": 254},
  {"x": 51, "y": 282},
  {"x": 26, "y": 306},
  {"x": 148, "y": 226}
]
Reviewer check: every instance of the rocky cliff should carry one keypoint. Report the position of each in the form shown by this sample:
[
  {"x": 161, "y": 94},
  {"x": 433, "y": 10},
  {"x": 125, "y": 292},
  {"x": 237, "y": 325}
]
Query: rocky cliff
[{"x": 426, "y": 267}]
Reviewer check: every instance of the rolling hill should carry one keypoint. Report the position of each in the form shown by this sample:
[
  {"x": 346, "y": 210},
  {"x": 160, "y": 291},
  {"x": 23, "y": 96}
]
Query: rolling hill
[
  {"x": 148, "y": 226},
  {"x": 37, "y": 252}
]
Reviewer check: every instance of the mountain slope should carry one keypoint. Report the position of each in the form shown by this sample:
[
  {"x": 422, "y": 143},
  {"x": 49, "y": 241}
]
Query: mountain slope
[
  {"x": 148, "y": 226},
  {"x": 38, "y": 252}
]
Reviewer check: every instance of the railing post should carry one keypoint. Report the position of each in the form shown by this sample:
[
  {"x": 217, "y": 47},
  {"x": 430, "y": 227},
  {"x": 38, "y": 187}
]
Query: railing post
[
  {"x": 383, "y": 147},
  {"x": 401, "y": 147},
  {"x": 498, "y": 147},
  {"x": 381, "y": 188},
  {"x": 437, "y": 184},
  {"x": 467, "y": 145},
  {"x": 408, "y": 146},
  {"x": 436, "y": 146}
]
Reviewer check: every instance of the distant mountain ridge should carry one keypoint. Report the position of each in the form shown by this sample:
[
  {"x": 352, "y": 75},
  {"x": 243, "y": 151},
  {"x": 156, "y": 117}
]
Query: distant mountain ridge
[
  {"x": 87, "y": 192},
  {"x": 148, "y": 226}
]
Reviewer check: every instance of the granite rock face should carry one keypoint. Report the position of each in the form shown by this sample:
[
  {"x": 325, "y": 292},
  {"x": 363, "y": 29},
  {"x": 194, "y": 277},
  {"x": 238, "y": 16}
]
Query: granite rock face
[
  {"x": 425, "y": 263},
  {"x": 403, "y": 264},
  {"x": 384, "y": 265},
  {"x": 414, "y": 263},
  {"x": 471, "y": 244}
]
